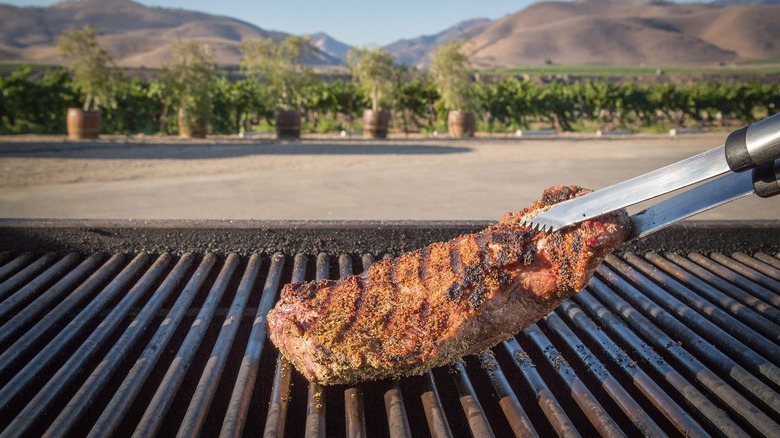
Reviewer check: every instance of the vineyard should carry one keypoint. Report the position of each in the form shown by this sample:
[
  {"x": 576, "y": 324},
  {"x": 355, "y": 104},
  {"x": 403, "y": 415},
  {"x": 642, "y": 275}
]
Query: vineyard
[{"x": 36, "y": 104}]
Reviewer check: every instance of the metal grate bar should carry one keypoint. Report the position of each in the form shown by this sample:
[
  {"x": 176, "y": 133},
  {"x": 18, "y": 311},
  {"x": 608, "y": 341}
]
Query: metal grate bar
[
  {"x": 24, "y": 276},
  {"x": 163, "y": 399},
  {"x": 4, "y": 257},
  {"x": 316, "y": 400},
  {"x": 12, "y": 266},
  {"x": 19, "y": 295},
  {"x": 747, "y": 272},
  {"x": 609, "y": 383},
  {"x": 769, "y": 260},
  {"x": 749, "y": 316},
  {"x": 736, "y": 279},
  {"x": 35, "y": 311},
  {"x": 192, "y": 425},
  {"x": 510, "y": 405},
  {"x": 280, "y": 395},
  {"x": 238, "y": 407},
  {"x": 680, "y": 328},
  {"x": 69, "y": 371},
  {"x": 280, "y": 392},
  {"x": 111, "y": 419},
  {"x": 354, "y": 406},
  {"x": 469, "y": 402},
  {"x": 630, "y": 368},
  {"x": 587, "y": 402},
  {"x": 705, "y": 410},
  {"x": 765, "y": 268},
  {"x": 438, "y": 425},
  {"x": 678, "y": 299},
  {"x": 68, "y": 335},
  {"x": 547, "y": 401},
  {"x": 77, "y": 407},
  {"x": 763, "y": 307},
  {"x": 395, "y": 409},
  {"x": 711, "y": 382}
]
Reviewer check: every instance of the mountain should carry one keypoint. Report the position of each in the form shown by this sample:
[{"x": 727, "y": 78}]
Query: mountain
[
  {"x": 330, "y": 46},
  {"x": 417, "y": 51},
  {"x": 136, "y": 35},
  {"x": 745, "y": 2},
  {"x": 627, "y": 32},
  {"x": 608, "y": 32}
]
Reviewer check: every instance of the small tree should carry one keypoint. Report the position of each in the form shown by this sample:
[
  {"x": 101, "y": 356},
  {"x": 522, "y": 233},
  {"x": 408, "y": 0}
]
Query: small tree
[
  {"x": 373, "y": 67},
  {"x": 450, "y": 71},
  {"x": 280, "y": 65},
  {"x": 187, "y": 80},
  {"x": 90, "y": 67}
]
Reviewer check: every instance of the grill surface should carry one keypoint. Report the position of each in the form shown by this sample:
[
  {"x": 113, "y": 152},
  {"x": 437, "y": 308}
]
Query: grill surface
[{"x": 677, "y": 343}]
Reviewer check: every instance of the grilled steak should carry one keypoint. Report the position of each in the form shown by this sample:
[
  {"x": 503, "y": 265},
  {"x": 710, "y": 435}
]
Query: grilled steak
[{"x": 428, "y": 307}]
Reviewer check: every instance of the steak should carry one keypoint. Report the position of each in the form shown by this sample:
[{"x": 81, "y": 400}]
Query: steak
[{"x": 429, "y": 307}]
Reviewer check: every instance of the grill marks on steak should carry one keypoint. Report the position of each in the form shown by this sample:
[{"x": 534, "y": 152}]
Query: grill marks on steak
[{"x": 431, "y": 306}]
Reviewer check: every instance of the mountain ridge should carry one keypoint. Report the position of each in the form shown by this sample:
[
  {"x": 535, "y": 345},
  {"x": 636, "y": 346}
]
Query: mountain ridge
[
  {"x": 625, "y": 32},
  {"x": 609, "y": 32}
]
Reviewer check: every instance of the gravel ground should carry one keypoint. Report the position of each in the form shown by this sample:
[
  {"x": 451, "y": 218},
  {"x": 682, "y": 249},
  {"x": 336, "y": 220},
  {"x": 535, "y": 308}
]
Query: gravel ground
[{"x": 325, "y": 177}]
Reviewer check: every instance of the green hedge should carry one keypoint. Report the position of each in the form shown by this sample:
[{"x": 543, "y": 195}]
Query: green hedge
[{"x": 37, "y": 104}]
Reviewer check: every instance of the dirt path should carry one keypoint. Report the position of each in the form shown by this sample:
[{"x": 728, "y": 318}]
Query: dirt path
[{"x": 324, "y": 178}]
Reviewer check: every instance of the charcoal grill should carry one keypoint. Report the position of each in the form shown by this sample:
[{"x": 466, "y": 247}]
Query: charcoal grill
[{"x": 157, "y": 328}]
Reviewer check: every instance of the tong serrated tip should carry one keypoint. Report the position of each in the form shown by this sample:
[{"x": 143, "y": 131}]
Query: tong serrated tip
[{"x": 540, "y": 226}]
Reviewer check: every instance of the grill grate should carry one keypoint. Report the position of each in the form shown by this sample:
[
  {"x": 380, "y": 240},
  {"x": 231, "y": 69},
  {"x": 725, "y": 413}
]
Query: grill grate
[{"x": 155, "y": 344}]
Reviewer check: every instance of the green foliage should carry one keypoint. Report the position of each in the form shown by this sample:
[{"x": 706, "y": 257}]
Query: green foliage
[
  {"x": 137, "y": 110},
  {"x": 238, "y": 105},
  {"x": 90, "y": 66},
  {"x": 414, "y": 101},
  {"x": 187, "y": 79},
  {"x": 328, "y": 124},
  {"x": 373, "y": 68},
  {"x": 280, "y": 65},
  {"x": 35, "y": 103},
  {"x": 35, "y": 106},
  {"x": 450, "y": 69},
  {"x": 339, "y": 101}
]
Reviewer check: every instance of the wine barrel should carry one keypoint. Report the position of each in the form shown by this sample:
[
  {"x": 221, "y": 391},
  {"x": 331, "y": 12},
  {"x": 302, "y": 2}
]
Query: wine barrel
[
  {"x": 288, "y": 125},
  {"x": 375, "y": 123},
  {"x": 461, "y": 124},
  {"x": 83, "y": 124},
  {"x": 191, "y": 128}
]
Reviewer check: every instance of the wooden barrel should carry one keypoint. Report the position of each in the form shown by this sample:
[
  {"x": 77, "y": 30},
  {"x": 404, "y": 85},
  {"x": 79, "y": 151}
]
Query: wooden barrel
[
  {"x": 191, "y": 129},
  {"x": 288, "y": 125},
  {"x": 83, "y": 124},
  {"x": 461, "y": 124},
  {"x": 375, "y": 123}
]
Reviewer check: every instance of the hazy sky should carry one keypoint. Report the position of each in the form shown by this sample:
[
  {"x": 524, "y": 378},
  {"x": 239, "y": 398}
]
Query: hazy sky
[{"x": 355, "y": 22}]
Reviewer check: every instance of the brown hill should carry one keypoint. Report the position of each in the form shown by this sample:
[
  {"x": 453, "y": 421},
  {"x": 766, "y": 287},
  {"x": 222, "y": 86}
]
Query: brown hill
[
  {"x": 626, "y": 32},
  {"x": 610, "y": 32},
  {"x": 136, "y": 35},
  {"x": 417, "y": 51}
]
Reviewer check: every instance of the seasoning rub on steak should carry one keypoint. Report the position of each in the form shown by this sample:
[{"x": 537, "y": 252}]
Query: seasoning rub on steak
[{"x": 426, "y": 308}]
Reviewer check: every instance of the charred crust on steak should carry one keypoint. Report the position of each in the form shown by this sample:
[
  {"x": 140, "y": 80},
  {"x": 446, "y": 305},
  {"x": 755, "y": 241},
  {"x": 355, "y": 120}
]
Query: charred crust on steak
[{"x": 455, "y": 291}]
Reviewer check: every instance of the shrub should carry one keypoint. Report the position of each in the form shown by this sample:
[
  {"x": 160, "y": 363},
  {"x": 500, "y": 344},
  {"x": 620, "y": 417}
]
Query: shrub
[
  {"x": 187, "y": 80},
  {"x": 280, "y": 66},
  {"x": 90, "y": 66},
  {"x": 373, "y": 68},
  {"x": 450, "y": 72}
]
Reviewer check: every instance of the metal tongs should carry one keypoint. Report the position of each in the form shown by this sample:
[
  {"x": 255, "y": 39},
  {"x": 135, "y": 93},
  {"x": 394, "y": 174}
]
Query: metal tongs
[{"x": 749, "y": 162}]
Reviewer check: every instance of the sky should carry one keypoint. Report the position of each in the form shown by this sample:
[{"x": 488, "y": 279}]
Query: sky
[{"x": 354, "y": 22}]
